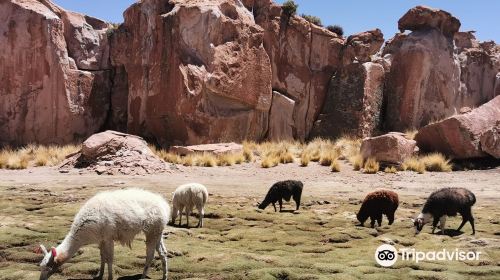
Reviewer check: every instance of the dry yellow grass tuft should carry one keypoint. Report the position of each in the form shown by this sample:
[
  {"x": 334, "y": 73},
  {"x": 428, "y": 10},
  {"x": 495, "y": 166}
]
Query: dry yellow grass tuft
[
  {"x": 413, "y": 164},
  {"x": 335, "y": 166},
  {"x": 247, "y": 153},
  {"x": 390, "y": 169},
  {"x": 436, "y": 162},
  {"x": 356, "y": 161},
  {"x": 35, "y": 155},
  {"x": 188, "y": 160},
  {"x": 348, "y": 147},
  {"x": 328, "y": 157},
  {"x": 226, "y": 159},
  {"x": 304, "y": 159},
  {"x": 371, "y": 166},
  {"x": 268, "y": 162},
  {"x": 205, "y": 160}
]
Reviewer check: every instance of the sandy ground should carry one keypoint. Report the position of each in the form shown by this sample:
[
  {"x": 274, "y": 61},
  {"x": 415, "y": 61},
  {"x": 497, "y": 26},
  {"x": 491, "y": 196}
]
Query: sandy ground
[
  {"x": 320, "y": 241},
  {"x": 251, "y": 180}
]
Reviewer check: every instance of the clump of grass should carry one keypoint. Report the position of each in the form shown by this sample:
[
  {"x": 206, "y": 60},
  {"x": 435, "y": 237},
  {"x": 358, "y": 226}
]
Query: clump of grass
[
  {"x": 269, "y": 162},
  {"x": 188, "y": 160},
  {"x": 356, "y": 161},
  {"x": 328, "y": 157},
  {"x": 206, "y": 160},
  {"x": 371, "y": 166},
  {"x": 390, "y": 169},
  {"x": 413, "y": 164},
  {"x": 304, "y": 159},
  {"x": 348, "y": 147},
  {"x": 239, "y": 158},
  {"x": 436, "y": 162},
  {"x": 247, "y": 153},
  {"x": 35, "y": 155},
  {"x": 226, "y": 159},
  {"x": 335, "y": 166}
]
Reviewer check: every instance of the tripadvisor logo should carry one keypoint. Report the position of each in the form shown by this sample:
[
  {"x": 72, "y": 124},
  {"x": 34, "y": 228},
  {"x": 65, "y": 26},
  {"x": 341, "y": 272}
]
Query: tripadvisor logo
[{"x": 386, "y": 255}]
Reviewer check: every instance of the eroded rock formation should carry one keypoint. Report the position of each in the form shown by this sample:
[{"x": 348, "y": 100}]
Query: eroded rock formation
[
  {"x": 195, "y": 75},
  {"x": 205, "y": 71},
  {"x": 46, "y": 93}
]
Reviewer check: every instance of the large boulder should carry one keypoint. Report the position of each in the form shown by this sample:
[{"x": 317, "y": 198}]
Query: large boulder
[
  {"x": 425, "y": 18},
  {"x": 393, "y": 148},
  {"x": 354, "y": 102},
  {"x": 303, "y": 59},
  {"x": 459, "y": 136},
  {"x": 45, "y": 97},
  {"x": 112, "y": 152},
  {"x": 490, "y": 141},
  {"x": 197, "y": 71}
]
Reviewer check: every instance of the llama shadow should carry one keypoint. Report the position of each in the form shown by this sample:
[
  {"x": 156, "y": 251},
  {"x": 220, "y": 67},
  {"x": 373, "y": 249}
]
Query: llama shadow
[
  {"x": 131, "y": 277},
  {"x": 287, "y": 211},
  {"x": 450, "y": 232}
]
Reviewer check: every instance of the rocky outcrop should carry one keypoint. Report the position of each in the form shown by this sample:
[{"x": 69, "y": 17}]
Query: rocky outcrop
[
  {"x": 46, "y": 93},
  {"x": 427, "y": 80},
  {"x": 303, "y": 59},
  {"x": 195, "y": 75},
  {"x": 281, "y": 122},
  {"x": 216, "y": 149},
  {"x": 425, "y": 18},
  {"x": 392, "y": 148},
  {"x": 354, "y": 101},
  {"x": 112, "y": 152},
  {"x": 459, "y": 136}
]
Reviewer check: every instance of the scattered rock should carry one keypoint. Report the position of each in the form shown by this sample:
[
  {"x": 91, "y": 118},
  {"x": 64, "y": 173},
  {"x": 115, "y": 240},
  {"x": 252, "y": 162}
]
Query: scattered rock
[
  {"x": 460, "y": 136},
  {"x": 389, "y": 148},
  {"x": 216, "y": 149},
  {"x": 490, "y": 141},
  {"x": 112, "y": 152}
]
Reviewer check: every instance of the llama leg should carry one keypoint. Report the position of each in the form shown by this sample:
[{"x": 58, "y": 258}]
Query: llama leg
[
  {"x": 162, "y": 252},
  {"x": 108, "y": 254},
  {"x": 471, "y": 220},
  {"x": 442, "y": 223},
  {"x": 390, "y": 217},
  {"x": 434, "y": 225},
  {"x": 188, "y": 212},
  {"x": 379, "y": 220},
  {"x": 297, "y": 201},
  {"x": 281, "y": 203},
  {"x": 180, "y": 216},
  {"x": 274, "y": 205},
  {"x": 372, "y": 221},
  {"x": 201, "y": 213},
  {"x": 151, "y": 244},
  {"x": 103, "y": 261},
  {"x": 465, "y": 219}
]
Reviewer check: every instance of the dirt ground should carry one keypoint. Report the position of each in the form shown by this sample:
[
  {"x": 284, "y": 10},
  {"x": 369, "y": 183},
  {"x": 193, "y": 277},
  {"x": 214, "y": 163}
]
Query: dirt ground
[{"x": 320, "y": 241}]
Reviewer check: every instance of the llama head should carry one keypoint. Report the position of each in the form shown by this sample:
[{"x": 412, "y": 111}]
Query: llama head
[
  {"x": 420, "y": 221},
  {"x": 49, "y": 264}
]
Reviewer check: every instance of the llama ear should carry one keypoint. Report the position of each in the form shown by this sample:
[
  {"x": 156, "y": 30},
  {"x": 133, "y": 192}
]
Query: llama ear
[{"x": 41, "y": 249}]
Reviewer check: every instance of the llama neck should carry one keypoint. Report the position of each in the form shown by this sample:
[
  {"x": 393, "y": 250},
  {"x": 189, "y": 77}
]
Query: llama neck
[{"x": 68, "y": 247}]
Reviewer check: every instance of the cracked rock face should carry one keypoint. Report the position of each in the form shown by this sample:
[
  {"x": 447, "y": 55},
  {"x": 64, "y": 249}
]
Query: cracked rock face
[
  {"x": 303, "y": 59},
  {"x": 45, "y": 97},
  {"x": 196, "y": 73}
]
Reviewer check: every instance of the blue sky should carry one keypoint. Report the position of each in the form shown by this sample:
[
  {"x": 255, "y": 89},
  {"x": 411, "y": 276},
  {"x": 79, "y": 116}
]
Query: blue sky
[{"x": 354, "y": 16}]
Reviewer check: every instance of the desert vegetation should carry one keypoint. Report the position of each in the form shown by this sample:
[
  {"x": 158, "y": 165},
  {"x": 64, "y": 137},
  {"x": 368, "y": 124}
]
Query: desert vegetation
[
  {"x": 312, "y": 19},
  {"x": 35, "y": 155},
  {"x": 337, "y": 29},
  {"x": 290, "y": 8}
]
